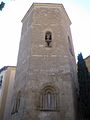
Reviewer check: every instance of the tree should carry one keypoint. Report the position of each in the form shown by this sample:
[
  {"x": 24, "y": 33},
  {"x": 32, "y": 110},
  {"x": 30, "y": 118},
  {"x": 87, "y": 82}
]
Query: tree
[
  {"x": 2, "y": 5},
  {"x": 84, "y": 88}
]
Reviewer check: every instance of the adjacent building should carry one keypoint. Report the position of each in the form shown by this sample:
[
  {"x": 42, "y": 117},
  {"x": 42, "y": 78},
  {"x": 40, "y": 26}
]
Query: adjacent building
[
  {"x": 7, "y": 75},
  {"x": 87, "y": 60}
]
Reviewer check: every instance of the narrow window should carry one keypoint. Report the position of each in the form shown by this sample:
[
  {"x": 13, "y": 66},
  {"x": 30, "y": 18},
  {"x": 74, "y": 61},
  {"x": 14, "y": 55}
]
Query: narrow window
[
  {"x": 70, "y": 46},
  {"x": 48, "y": 101},
  {"x": 48, "y": 38},
  {"x": 16, "y": 103},
  {"x": 1, "y": 78}
]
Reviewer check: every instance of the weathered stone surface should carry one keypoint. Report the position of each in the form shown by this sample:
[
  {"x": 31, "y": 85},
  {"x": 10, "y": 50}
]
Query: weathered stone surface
[{"x": 40, "y": 66}]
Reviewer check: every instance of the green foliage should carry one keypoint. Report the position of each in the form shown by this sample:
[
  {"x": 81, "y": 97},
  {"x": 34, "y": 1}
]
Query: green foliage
[
  {"x": 2, "y": 5},
  {"x": 84, "y": 88}
]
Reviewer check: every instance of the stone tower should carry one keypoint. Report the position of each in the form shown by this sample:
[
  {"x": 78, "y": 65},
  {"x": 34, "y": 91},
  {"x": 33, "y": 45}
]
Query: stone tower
[{"x": 46, "y": 70}]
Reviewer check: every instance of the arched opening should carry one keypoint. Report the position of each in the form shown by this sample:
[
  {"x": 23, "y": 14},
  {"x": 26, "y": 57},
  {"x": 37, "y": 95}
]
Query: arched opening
[
  {"x": 48, "y": 38},
  {"x": 48, "y": 99}
]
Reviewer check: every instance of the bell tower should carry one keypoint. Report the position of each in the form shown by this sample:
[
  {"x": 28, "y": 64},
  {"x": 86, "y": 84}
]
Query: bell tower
[{"x": 46, "y": 70}]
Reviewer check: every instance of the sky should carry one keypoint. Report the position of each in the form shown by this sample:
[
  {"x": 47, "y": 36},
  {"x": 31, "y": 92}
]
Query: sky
[{"x": 10, "y": 26}]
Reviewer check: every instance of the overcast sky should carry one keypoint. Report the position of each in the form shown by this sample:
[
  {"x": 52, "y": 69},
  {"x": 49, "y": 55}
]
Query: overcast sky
[{"x": 10, "y": 26}]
